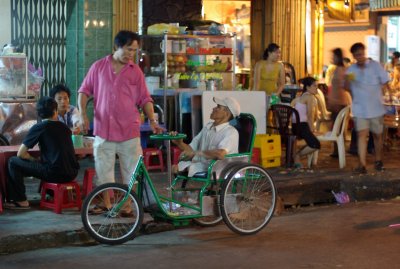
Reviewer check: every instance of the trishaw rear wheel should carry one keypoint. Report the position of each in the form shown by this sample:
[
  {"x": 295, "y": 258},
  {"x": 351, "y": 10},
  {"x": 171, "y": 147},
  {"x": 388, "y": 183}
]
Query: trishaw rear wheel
[{"x": 248, "y": 199}]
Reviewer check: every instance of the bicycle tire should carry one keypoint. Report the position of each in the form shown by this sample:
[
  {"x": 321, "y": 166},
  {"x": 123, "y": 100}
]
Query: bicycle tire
[
  {"x": 4, "y": 141},
  {"x": 210, "y": 221},
  {"x": 248, "y": 199},
  {"x": 112, "y": 226}
]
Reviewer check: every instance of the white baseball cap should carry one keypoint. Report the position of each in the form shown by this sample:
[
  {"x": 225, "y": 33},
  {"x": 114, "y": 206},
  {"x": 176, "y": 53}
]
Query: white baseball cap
[{"x": 229, "y": 102}]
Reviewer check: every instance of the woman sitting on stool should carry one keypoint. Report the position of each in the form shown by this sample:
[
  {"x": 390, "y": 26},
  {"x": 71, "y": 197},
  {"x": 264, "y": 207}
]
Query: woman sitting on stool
[{"x": 306, "y": 105}]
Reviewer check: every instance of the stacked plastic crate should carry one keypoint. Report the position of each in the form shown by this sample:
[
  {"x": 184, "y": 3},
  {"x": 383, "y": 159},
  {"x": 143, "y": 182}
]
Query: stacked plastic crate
[{"x": 270, "y": 148}]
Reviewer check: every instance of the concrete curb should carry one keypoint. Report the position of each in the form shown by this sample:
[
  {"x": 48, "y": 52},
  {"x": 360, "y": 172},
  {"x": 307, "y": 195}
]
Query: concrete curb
[{"x": 20, "y": 243}]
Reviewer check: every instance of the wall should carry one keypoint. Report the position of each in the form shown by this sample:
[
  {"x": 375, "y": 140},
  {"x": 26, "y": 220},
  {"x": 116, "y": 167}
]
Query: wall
[
  {"x": 342, "y": 37},
  {"x": 168, "y": 11},
  {"x": 89, "y": 38},
  {"x": 5, "y": 29}
]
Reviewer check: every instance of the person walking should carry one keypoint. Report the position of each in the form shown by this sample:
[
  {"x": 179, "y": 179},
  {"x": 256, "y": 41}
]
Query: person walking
[
  {"x": 365, "y": 79},
  {"x": 118, "y": 88},
  {"x": 338, "y": 97}
]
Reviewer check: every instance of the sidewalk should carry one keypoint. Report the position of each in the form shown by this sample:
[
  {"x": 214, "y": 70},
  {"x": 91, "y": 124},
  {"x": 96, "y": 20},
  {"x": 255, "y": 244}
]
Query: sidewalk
[{"x": 39, "y": 228}]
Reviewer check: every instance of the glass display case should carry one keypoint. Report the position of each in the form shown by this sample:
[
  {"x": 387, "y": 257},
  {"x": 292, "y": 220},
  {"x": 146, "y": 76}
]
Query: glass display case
[
  {"x": 13, "y": 76},
  {"x": 205, "y": 62}
]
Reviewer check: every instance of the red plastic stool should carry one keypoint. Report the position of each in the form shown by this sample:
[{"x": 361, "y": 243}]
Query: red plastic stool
[
  {"x": 87, "y": 185},
  {"x": 149, "y": 155},
  {"x": 64, "y": 196},
  {"x": 255, "y": 157},
  {"x": 175, "y": 152}
]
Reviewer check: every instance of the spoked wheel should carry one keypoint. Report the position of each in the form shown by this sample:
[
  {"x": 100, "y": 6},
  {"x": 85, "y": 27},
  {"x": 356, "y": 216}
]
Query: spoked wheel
[
  {"x": 210, "y": 221},
  {"x": 248, "y": 199},
  {"x": 110, "y": 219}
]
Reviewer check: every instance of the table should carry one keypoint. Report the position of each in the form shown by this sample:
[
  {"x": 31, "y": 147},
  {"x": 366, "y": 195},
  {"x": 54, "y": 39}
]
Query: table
[{"x": 6, "y": 152}]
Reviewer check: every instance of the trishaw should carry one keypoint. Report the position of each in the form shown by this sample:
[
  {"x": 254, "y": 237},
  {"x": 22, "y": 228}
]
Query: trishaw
[{"x": 233, "y": 189}]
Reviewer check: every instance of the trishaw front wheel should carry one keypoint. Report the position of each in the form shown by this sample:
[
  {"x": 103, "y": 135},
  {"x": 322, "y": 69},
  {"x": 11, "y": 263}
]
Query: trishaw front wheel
[{"x": 111, "y": 215}]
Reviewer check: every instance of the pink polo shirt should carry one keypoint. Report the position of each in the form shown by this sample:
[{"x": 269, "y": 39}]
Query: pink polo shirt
[{"x": 116, "y": 98}]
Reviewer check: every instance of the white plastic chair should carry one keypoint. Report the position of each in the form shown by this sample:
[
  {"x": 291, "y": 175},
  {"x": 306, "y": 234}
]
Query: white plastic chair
[
  {"x": 324, "y": 115},
  {"x": 336, "y": 135}
]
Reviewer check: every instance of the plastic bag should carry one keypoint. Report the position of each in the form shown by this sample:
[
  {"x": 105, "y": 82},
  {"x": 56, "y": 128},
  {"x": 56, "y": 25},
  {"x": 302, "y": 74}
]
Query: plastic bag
[
  {"x": 161, "y": 28},
  {"x": 35, "y": 79},
  {"x": 341, "y": 197}
]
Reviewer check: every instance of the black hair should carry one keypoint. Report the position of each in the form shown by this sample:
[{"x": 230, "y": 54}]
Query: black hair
[
  {"x": 59, "y": 88},
  {"x": 307, "y": 82},
  {"x": 346, "y": 60},
  {"x": 357, "y": 46},
  {"x": 339, "y": 56},
  {"x": 395, "y": 55},
  {"x": 46, "y": 106},
  {"x": 271, "y": 48},
  {"x": 125, "y": 37}
]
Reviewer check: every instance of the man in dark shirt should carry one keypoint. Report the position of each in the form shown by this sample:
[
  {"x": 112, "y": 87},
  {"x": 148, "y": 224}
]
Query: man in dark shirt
[{"x": 57, "y": 162}]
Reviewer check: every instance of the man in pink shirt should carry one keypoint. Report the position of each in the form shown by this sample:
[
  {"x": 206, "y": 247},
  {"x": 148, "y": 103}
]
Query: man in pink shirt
[{"x": 118, "y": 89}]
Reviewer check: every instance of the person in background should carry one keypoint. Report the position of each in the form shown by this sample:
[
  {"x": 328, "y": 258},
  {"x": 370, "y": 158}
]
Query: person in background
[
  {"x": 365, "y": 79},
  {"x": 346, "y": 61},
  {"x": 269, "y": 73},
  {"x": 67, "y": 113},
  {"x": 118, "y": 88},
  {"x": 214, "y": 141},
  {"x": 338, "y": 97},
  {"x": 57, "y": 162},
  {"x": 394, "y": 60},
  {"x": 306, "y": 105}
]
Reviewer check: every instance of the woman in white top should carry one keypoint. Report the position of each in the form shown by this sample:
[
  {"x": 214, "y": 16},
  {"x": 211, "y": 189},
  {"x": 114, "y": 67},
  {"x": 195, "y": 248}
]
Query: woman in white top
[{"x": 306, "y": 105}]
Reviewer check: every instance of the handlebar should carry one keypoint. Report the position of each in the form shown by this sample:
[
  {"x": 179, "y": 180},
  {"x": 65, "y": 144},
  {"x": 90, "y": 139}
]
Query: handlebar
[{"x": 167, "y": 136}]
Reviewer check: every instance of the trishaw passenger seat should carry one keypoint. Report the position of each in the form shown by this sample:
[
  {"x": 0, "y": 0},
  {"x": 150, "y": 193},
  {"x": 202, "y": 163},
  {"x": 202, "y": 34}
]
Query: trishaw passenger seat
[{"x": 246, "y": 126}]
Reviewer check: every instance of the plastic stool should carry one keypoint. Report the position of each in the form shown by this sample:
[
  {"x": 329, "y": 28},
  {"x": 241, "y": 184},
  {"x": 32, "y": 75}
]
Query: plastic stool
[
  {"x": 149, "y": 155},
  {"x": 255, "y": 157},
  {"x": 64, "y": 197},
  {"x": 175, "y": 152},
  {"x": 87, "y": 185}
]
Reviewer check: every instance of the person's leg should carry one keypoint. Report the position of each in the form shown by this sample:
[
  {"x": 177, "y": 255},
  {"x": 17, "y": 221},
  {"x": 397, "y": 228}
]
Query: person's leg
[
  {"x": 19, "y": 168},
  {"x": 362, "y": 127},
  {"x": 362, "y": 146},
  {"x": 104, "y": 160},
  {"x": 377, "y": 132},
  {"x": 128, "y": 153}
]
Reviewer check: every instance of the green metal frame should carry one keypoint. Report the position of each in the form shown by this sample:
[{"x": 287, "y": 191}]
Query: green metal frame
[{"x": 142, "y": 176}]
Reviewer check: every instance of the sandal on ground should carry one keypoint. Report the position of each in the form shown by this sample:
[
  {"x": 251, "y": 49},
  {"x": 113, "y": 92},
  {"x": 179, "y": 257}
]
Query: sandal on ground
[
  {"x": 379, "y": 166},
  {"x": 360, "y": 170},
  {"x": 298, "y": 166},
  {"x": 97, "y": 210},
  {"x": 16, "y": 206},
  {"x": 125, "y": 214}
]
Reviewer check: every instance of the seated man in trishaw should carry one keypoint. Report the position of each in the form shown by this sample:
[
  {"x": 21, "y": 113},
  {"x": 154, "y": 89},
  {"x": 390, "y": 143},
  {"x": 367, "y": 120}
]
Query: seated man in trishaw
[{"x": 215, "y": 140}]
